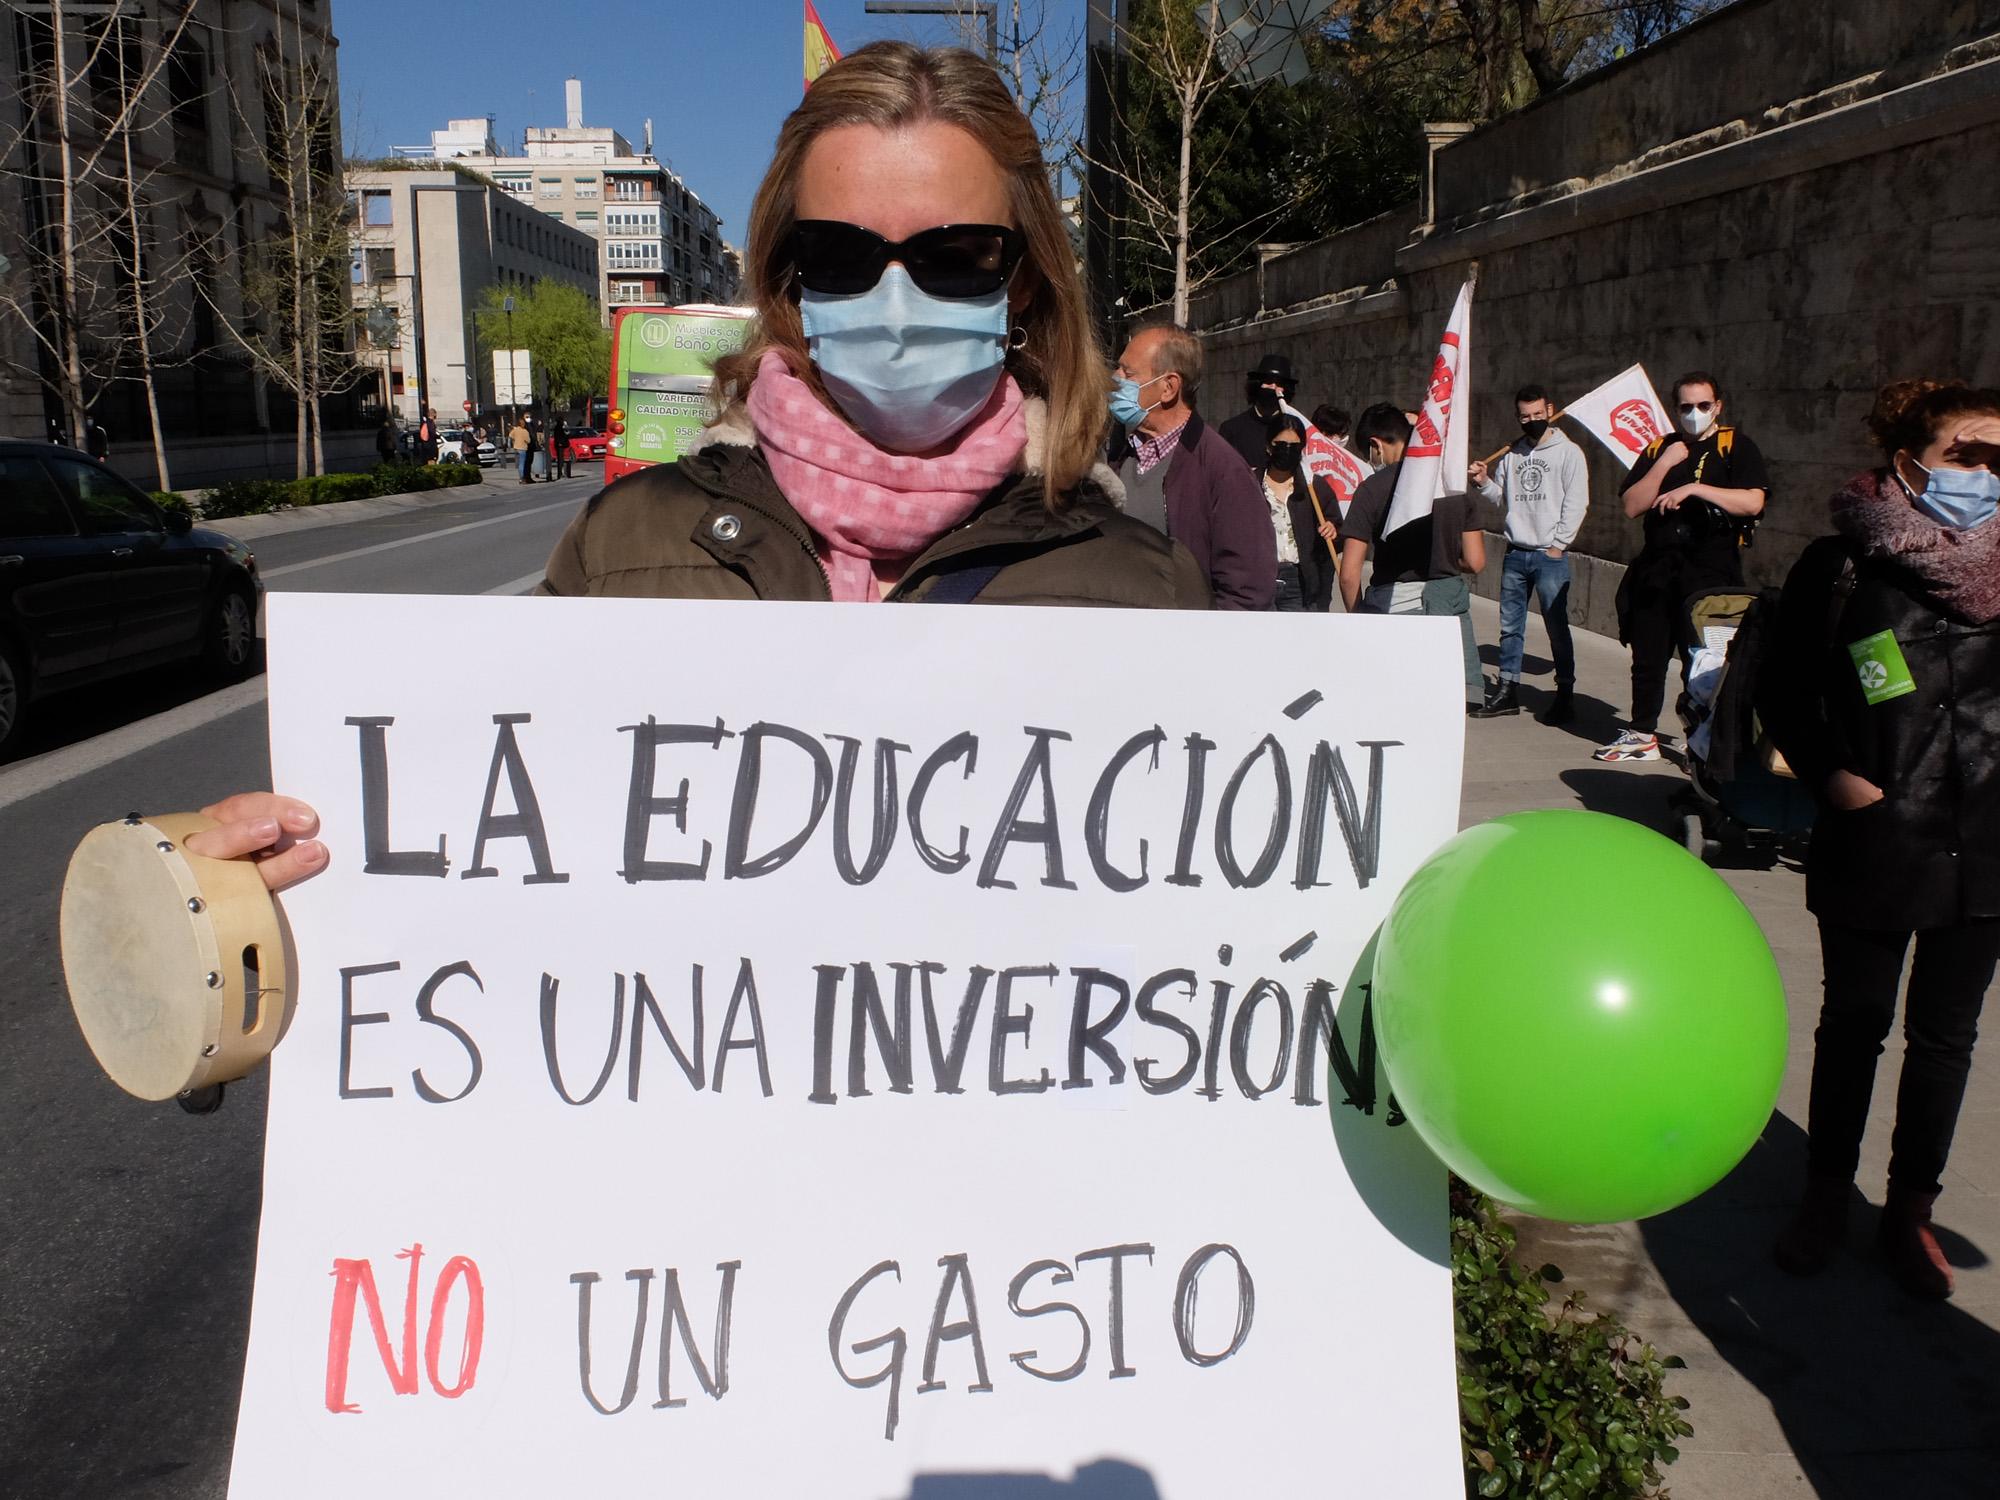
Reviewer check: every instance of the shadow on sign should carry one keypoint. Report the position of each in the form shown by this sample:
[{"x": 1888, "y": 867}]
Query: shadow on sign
[
  {"x": 1107, "y": 1479},
  {"x": 1397, "y": 1176}
]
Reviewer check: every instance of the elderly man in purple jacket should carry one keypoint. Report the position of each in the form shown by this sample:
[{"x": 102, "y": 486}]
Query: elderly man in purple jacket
[{"x": 1182, "y": 477}]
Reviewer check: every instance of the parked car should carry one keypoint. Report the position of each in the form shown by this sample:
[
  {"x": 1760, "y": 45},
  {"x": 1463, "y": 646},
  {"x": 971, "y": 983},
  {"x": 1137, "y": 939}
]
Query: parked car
[
  {"x": 97, "y": 581},
  {"x": 586, "y": 442},
  {"x": 452, "y": 444}
]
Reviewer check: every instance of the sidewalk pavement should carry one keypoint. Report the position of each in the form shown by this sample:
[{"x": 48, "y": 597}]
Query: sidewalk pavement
[
  {"x": 1840, "y": 1386},
  {"x": 344, "y": 512}
]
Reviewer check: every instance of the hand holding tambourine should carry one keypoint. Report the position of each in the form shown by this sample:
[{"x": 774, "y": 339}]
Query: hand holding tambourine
[{"x": 174, "y": 951}]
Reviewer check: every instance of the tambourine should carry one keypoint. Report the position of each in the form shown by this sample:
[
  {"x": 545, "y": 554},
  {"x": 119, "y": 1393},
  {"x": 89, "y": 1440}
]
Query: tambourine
[{"x": 176, "y": 963}]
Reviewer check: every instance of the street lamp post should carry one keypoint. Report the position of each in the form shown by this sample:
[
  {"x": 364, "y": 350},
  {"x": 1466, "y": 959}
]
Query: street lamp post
[{"x": 513, "y": 365}]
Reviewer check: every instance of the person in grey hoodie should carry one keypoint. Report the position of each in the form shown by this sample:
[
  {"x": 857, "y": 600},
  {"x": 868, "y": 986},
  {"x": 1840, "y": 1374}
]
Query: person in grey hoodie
[{"x": 1545, "y": 485}]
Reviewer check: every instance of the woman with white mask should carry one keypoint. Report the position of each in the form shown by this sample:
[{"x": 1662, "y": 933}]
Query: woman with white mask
[
  {"x": 917, "y": 417},
  {"x": 1882, "y": 688}
]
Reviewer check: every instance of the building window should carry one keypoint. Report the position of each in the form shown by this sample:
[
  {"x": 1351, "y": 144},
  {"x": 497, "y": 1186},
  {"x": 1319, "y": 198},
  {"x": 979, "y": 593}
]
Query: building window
[
  {"x": 634, "y": 255},
  {"x": 586, "y": 216},
  {"x": 586, "y": 187},
  {"x": 187, "y": 85},
  {"x": 375, "y": 209},
  {"x": 378, "y": 264},
  {"x": 552, "y": 187},
  {"x": 630, "y": 189},
  {"x": 628, "y": 291}
]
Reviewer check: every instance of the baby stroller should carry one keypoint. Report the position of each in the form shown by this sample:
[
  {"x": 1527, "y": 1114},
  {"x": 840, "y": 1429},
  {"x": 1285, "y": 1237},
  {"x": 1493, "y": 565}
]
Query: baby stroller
[{"x": 1740, "y": 795}]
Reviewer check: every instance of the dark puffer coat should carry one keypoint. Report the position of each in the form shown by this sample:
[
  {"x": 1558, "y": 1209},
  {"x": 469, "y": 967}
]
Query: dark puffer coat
[
  {"x": 1928, "y": 854},
  {"x": 714, "y": 526}
]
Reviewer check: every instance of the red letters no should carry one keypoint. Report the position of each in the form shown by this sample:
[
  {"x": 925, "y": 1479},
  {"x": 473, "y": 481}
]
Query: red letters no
[{"x": 352, "y": 1277}]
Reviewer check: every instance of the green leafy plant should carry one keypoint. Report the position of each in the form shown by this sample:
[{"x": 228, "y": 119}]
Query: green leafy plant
[
  {"x": 171, "y": 500},
  {"x": 245, "y": 497},
  {"x": 1553, "y": 1401},
  {"x": 254, "y": 497},
  {"x": 329, "y": 489}
]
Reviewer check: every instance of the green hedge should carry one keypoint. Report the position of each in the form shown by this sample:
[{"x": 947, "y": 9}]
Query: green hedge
[
  {"x": 254, "y": 497},
  {"x": 1552, "y": 1401}
]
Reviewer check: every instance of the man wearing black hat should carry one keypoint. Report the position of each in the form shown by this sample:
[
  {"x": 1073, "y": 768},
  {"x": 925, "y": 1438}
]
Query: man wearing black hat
[{"x": 1271, "y": 382}]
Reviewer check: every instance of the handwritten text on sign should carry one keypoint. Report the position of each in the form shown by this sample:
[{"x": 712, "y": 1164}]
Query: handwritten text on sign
[{"x": 787, "y": 1049}]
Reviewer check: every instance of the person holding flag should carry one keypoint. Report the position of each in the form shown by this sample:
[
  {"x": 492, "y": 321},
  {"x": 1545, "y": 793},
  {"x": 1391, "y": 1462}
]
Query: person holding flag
[
  {"x": 1420, "y": 565},
  {"x": 1544, "y": 485},
  {"x": 1427, "y": 501},
  {"x": 1700, "y": 495}
]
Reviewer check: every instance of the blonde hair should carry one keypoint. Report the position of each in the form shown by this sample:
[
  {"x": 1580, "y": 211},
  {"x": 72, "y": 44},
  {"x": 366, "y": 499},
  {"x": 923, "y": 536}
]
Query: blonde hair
[{"x": 891, "y": 85}]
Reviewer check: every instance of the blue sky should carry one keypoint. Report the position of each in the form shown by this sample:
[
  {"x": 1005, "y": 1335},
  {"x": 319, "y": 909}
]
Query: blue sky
[{"x": 716, "y": 76}]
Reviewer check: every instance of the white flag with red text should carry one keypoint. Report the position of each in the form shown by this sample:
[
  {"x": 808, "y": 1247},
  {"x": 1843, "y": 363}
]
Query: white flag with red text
[
  {"x": 1434, "y": 463},
  {"x": 1332, "y": 460},
  {"x": 1624, "y": 414}
]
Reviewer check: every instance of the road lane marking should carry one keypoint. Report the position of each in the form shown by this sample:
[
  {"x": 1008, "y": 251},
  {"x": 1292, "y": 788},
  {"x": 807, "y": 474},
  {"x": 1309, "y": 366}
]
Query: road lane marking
[
  {"x": 519, "y": 585},
  {"x": 410, "y": 541},
  {"x": 30, "y": 778}
]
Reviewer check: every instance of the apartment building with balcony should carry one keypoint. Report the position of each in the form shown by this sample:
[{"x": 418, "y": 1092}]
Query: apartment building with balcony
[{"x": 660, "y": 243}]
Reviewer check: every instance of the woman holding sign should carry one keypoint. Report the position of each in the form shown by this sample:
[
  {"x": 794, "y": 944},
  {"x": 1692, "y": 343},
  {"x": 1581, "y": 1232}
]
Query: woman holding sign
[
  {"x": 918, "y": 416},
  {"x": 1883, "y": 692}
]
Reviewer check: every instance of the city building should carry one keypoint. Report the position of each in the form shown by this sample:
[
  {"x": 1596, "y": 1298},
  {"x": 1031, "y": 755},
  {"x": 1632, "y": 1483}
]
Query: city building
[
  {"x": 204, "y": 142},
  {"x": 427, "y": 244},
  {"x": 661, "y": 244}
]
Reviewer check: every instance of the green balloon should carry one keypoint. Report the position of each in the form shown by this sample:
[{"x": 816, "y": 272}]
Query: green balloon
[{"x": 1578, "y": 1016}]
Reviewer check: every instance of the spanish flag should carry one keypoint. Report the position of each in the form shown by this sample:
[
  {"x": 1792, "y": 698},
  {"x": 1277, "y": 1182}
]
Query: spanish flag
[{"x": 821, "y": 54}]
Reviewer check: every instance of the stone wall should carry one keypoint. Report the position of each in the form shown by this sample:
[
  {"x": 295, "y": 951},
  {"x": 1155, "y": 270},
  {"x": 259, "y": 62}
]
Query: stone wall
[{"x": 1828, "y": 220}]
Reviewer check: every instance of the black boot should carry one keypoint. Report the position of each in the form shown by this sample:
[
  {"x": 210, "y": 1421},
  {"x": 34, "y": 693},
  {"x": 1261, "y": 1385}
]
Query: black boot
[
  {"x": 1561, "y": 708},
  {"x": 1503, "y": 700},
  {"x": 1910, "y": 1247},
  {"x": 1807, "y": 1243}
]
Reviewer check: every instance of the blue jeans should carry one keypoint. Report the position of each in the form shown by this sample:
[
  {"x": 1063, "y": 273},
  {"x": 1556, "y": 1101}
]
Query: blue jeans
[{"x": 1526, "y": 568}]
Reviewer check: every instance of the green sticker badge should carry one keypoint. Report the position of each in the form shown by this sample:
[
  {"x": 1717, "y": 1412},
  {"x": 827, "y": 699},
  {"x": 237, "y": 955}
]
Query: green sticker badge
[{"x": 1878, "y": 661}]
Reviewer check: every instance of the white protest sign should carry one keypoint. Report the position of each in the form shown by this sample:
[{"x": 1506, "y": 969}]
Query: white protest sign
[
  {"x": 863, "y": 1053},
  {"x": 1624, "y": 414}
]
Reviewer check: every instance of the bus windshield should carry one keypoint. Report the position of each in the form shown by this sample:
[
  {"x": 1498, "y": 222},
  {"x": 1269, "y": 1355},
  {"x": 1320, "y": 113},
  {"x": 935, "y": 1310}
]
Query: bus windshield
[{"x": 660, "y": 359}]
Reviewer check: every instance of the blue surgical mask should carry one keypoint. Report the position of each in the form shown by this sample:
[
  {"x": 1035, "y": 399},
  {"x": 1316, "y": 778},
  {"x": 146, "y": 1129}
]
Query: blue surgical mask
[
  {"x": 1958, "y": 498},
  {"x": 908, "y": 369},
  {"x": 1127, "y": 410}
]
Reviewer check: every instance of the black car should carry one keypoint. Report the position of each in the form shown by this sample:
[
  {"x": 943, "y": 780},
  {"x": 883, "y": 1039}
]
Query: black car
[{"x": 96, "y": 580}]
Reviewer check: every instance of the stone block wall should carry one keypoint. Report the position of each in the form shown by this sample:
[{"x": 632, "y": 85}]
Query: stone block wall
[{"x": 1805, "y": 265}]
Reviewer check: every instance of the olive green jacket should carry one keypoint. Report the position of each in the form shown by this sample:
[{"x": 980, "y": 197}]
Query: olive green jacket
[{"x": 714, "y": 526}]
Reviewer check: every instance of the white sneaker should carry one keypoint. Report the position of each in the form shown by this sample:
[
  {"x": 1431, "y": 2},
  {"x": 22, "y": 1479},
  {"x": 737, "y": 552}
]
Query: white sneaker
[{"x": 1631, "y": 745}]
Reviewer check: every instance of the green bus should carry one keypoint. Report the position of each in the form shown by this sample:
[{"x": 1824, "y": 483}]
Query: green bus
[{"x": 660, "y": 359}]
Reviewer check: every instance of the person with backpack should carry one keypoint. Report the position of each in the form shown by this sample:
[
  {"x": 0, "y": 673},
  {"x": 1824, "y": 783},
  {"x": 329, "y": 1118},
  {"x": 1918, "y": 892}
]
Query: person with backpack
[
  {"x": 1881, "y": 688},
  {"x": 427, "y": 437},
  {"x": 1700, "y": 495}
]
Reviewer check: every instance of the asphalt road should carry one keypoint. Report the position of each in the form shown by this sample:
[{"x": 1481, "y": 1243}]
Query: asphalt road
[{"x": 128, "y": 1230}]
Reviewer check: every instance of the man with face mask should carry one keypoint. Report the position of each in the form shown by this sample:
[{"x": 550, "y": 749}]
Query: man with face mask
[
  {"x": 1544, "y": 484},
  {"x": 1271, "y": 384},
  {"x": 1181, "y": 477},
  {"x": 1700, "y": 494}
]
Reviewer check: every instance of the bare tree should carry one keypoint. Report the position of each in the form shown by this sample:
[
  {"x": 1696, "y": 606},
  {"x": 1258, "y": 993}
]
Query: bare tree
[
  {"x": 94, "y": 304},
  {"x": 1185, "y": 52},
  {"x": 294, "y": 286}
]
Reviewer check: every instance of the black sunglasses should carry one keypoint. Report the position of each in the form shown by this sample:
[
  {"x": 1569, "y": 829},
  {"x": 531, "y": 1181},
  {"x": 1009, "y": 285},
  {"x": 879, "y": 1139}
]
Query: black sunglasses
[{"x": 838, "y": 259}]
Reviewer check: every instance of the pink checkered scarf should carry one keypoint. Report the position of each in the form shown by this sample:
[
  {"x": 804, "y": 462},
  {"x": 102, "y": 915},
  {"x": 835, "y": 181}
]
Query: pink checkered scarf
[{"x": 865, "y": 504}]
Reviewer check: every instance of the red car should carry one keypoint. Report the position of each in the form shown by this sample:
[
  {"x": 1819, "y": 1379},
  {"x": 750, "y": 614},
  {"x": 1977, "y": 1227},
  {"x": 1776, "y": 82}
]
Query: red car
[{"x": 586, "y": 442}]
